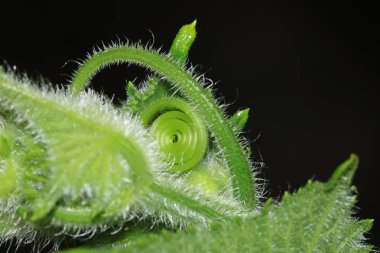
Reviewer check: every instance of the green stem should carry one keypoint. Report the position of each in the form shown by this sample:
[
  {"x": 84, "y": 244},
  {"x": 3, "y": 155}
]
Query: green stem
[
  {"x": 242, "y": 178},
  {"x": 181, "y": 200},
  {"x": 174, "y": 200}
]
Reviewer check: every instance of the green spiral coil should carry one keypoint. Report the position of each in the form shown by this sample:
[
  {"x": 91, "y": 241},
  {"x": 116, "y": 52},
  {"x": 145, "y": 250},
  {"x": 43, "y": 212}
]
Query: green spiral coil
[{"x": 180, "y": 132}]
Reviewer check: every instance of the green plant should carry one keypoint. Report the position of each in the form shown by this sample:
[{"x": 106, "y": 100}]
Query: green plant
[{"x": 167, "y": 171}]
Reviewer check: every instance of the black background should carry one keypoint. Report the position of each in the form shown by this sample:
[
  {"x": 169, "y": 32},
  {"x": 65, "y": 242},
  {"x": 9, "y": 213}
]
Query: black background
[{"x": 308, "y": 70}]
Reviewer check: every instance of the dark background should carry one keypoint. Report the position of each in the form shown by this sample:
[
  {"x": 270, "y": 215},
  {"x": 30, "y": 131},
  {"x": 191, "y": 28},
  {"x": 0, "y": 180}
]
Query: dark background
[{"x": 308, "y": 70}]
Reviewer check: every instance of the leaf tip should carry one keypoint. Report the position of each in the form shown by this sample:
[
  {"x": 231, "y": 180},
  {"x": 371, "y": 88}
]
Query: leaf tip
[
  {"x": 239, "y": 119},
  {"x": 267, "y": 205},
  {"x": 193, "y": 24},
  {"x": 344, "y": 172},
  {"x": 131, "y": 89},
  {"x": 366, "y": 224}
]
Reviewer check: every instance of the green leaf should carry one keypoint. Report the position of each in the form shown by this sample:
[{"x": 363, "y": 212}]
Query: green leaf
[
  {"x": 239, "y": 119},
  {"x": 8, "y": 170},
  {"x": 314, "y": 219},
  {"x": 95, "y": 152}
]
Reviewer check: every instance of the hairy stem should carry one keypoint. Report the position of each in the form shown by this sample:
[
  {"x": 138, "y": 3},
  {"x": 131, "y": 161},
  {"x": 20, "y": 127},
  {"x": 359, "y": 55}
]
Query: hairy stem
[
  {"x": 191, "y": 204},
  {"x": 242, "y": 178}
]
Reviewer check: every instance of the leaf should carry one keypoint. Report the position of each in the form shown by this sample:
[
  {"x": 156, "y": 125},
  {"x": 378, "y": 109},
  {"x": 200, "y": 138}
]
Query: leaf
[
  {"x": 238, "y": 120},
  {"x": 317, "y": 218},
  {"x": 96, "y": 153},
  {"x": 8, "y": 171}
]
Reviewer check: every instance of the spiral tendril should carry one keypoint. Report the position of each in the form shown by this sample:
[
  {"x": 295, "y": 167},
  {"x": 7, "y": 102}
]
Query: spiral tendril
[{"x": 180, "y": 132}]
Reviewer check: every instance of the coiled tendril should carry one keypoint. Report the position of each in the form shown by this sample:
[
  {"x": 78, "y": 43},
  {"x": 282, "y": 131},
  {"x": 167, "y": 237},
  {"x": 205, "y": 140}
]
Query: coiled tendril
[
  {"x": 242, "y": 180},
  {"x": 179, "y": 130}
]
